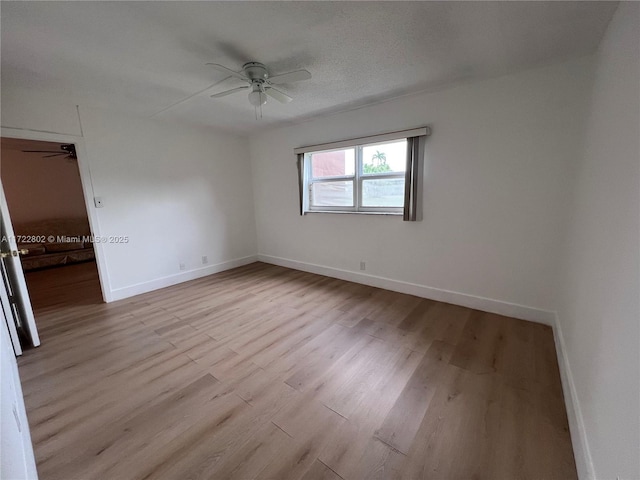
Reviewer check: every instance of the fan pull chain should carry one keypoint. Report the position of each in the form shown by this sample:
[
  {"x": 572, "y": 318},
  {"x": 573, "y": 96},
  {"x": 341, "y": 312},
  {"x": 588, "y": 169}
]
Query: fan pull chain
[{"x": 255, "y": 109}]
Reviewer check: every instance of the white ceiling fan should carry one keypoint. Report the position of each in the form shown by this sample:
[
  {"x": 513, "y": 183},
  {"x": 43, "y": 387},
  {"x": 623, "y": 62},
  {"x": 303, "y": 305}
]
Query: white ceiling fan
[
  {"x": 260, "y": 83},
  {"x": 67, "y": 150}
]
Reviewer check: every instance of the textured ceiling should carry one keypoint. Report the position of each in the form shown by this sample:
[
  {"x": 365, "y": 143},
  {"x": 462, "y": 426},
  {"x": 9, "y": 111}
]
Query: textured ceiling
[{"x": 148, "y": 57}]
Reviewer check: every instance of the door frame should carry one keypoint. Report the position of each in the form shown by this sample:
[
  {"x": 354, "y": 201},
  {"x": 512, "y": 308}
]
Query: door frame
[
  {"x": 5, "y": 308},
  {"x": 87, "y": 190}
]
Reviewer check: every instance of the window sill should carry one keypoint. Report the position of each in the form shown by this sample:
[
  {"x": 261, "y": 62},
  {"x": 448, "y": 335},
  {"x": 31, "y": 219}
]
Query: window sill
[{"x": 340, "y": 212}]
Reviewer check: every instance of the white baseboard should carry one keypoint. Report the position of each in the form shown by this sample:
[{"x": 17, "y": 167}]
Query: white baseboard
[
  {"x": 584, "y": 463},
  {"x": 471, "y": 301},
  {"x": 144, "y": 287}
]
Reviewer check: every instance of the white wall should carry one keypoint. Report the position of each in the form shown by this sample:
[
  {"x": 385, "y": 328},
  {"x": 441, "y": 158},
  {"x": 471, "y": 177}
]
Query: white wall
[
  {"x": 178, "y": 192},
  {"x": 599, "y": 309},
  {"x": 497, "y": 169},
  {"x": 40, "y": 188}
]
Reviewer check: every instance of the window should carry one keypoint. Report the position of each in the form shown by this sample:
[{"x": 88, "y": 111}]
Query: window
[
  {"x": 362, "y": 178},
  {"x": 367, "y": 175}
]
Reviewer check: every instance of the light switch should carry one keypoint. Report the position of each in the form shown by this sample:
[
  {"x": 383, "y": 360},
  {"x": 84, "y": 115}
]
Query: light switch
[{"x": 98, "y": 202}]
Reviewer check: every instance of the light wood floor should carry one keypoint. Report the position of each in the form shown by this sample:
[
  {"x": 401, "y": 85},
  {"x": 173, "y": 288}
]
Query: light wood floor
[{"x": 265, "y": 372}]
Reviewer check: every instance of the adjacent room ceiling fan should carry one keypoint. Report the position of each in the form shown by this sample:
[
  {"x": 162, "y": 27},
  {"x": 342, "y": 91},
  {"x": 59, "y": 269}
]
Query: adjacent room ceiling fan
[
  {"x": 68, "y": 150},
  {"x": 260, "y": 84}
]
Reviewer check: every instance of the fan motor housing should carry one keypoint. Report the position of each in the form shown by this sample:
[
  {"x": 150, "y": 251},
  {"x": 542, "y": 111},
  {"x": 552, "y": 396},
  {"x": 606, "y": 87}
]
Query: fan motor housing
[
  {"x": 255, "y": 71},
  {"x": 70, "y": 148}
]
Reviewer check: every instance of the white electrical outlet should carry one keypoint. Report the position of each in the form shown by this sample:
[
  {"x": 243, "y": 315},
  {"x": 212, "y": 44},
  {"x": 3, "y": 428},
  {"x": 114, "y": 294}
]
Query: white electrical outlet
[
  {"x": 182, "y": 266},
  {"x": 205, "y": 259},
  {"x": 363, "y": 265}
]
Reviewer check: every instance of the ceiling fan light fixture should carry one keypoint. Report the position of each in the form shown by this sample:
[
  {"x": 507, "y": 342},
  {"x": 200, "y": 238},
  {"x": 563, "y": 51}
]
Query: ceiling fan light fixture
[
  {"x": 257, "y": 98},
  {"x": 260, "y": 83}
]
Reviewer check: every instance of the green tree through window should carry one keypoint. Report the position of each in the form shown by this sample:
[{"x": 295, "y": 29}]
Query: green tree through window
[{"x": 378, "y": 165}]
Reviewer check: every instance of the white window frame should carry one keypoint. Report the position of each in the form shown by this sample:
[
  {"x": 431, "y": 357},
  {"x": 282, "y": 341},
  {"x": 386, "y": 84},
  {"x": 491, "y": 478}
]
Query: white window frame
[
  {"x": 411, "y": 209},
  {"x": 356, "y": 179},
  {"x": 310, "y": 180}
]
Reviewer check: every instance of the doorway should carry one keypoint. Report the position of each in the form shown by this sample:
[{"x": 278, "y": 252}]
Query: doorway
[{"x": 49, "y": 219}]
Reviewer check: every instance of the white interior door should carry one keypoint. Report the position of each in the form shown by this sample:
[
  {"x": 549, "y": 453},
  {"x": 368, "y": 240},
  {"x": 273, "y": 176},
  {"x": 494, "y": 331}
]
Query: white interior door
[
  {"x": 17, "y": 461},
  {"x": 6, "y": 308},
  {"x": 21, "y": 310}
]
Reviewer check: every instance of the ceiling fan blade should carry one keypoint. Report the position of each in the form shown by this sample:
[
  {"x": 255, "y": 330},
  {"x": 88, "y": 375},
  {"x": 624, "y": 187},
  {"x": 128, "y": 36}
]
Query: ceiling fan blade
[
  {"x": 228, "y": 71},
  {"x": 290, "y": 77},
  {"x": 70, "y": 149},
  {"x": 55, "y": 155},
  {"x": 42, "y": 151},
  {"x": 278, "y": 95},
  {"x": 229, "y": 92}
]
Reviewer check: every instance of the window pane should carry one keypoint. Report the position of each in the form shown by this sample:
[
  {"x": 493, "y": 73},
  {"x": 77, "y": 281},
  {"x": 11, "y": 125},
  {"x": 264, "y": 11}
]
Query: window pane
[
  {"x": 385, "y": 157},
  {"x": 383, "y": 192},
  {"x": 332, "y": 194},
  {"x": 336, "y": 163}
]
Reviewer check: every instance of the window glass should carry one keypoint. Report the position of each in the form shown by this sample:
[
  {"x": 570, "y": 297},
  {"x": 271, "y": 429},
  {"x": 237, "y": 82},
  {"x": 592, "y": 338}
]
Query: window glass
[
  {"x": 383, "y": 192},
  {"x": 334, "y": 163},
  {"x": 384, "y": 157},
  {"x": 332, "y": 194}
]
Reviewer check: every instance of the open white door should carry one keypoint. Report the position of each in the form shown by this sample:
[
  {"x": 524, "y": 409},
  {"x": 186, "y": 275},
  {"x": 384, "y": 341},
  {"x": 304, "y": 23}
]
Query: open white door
[
  {"x": 17, "y": 461},
  {"x": 21, "y": 310},
  {"x": 6, "y": 308}
]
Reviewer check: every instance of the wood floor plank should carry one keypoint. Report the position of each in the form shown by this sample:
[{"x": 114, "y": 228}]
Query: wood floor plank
[
  {"x": 319, "y": 471},
  {"x": 526, "y": 414},
  {"x": 196, "y": 452},
  {"x": 76, "y": 424},
  {"x": 253, "y": 456},
  {"x": 400, "y": 425},
  {"x": 345, "y": 451},
  {"x": 118, "y": 441},
  {"x": 358, "y": 376},
  {"x": 464, "y": 402},
  {"x": 482, "y": 345},
  {"x": 380, "y": 462},
  {"x": 416, "y": 318},
  {"x": 323, "y": 355},
  {"x": 311, "y": 425},
  {"x": 266, "y": 372}
]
